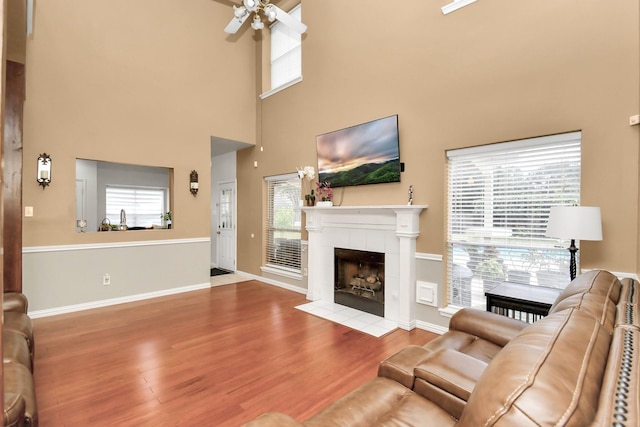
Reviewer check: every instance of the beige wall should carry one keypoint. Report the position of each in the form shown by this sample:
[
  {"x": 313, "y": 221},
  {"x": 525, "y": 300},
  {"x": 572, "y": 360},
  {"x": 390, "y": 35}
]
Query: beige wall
[
  {"x": 490, "y": 72},
  {"x": 150, "y": 81},
  {"x": 143, "y": 82}
]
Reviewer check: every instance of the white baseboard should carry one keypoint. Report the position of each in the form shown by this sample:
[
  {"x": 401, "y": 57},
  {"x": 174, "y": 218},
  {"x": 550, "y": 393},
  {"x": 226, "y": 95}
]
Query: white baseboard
[
  {"x": 431, "y": 327},
  {"x": 274, "y": 282},
  {"x": 114, "y": 301}
]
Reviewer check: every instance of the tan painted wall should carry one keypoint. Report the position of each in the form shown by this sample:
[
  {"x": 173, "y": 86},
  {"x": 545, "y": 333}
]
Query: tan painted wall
[
  {"x": 149, "y": 81},
  {"x": 143, "y": 82},
  {"x": 490, "y": 72}
]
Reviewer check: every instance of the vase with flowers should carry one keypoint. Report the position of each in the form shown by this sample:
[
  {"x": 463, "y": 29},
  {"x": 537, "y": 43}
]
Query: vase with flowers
[
  {"x": 324, "y": 193},
  {"x": 306, "y": 175}
]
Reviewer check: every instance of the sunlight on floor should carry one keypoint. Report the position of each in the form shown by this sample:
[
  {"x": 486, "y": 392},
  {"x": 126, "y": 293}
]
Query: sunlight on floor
[
  {"x": 354, "y": 319},
  {"x": 226, "y": 279}
]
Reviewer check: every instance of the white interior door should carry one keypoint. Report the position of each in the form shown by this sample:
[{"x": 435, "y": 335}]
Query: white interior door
[{"x": 226, "y": 233}]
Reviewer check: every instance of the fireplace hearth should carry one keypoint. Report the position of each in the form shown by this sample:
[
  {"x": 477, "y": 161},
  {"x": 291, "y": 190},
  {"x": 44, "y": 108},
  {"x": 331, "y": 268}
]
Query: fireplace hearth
[{"x": 359, "y": 280}]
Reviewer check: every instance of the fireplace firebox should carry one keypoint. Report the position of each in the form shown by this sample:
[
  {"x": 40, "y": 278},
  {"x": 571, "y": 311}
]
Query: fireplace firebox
[{"x": 359, "y": 280}]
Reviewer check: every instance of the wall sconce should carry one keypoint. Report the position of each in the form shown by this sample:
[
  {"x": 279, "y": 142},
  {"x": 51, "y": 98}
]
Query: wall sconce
[
  {"x": 193, "y": 183},
  {"x": 44, "y": 170}
]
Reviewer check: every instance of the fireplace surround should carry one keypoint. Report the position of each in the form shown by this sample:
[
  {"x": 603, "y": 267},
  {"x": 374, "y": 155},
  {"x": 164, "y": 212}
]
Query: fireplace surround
[{"x": 391, "y": 230}]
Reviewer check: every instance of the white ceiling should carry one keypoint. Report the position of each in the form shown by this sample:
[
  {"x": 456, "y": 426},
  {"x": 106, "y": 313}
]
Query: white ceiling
[{"x": 221, "y": 146}]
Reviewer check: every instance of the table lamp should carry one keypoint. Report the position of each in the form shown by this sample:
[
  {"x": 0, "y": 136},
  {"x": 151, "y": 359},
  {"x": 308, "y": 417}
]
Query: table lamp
[{"x": 575, "y": 223}]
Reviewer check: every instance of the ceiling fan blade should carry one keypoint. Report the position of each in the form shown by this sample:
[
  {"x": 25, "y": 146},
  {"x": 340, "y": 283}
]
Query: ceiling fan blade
[
  {"x": 289, "y": 20},
  {"x": 235, "y": 24}
]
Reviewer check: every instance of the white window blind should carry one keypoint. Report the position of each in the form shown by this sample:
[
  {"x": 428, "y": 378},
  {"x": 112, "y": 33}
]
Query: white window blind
[
  {"x": 283, "y": 222},
  {"x": 499, "y": 198},
  {"x": 286, "y": 51},
  {"x": 143, "y": 206}
]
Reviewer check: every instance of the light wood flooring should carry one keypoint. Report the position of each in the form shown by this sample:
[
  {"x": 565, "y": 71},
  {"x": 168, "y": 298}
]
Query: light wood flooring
[{"x": 214, "y": 357}]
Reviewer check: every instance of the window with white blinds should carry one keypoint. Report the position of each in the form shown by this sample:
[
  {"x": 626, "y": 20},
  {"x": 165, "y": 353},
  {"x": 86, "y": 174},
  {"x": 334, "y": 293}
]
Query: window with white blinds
[
  {"x": 283, "y": 222},
  {"x": 499, "y": 198},
  {"x": 143, "y": 206},
  {"x": 286, "y": 51}
]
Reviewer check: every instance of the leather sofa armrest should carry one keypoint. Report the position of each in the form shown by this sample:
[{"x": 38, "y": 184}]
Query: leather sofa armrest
[
  {"x": 13, "y": 410},
  {"x": 273, "y": 419},
  {"x": 447, "y": 378},
  {"x": 18, "y": 380},
  {"x": 15, "y": 301},
  {"x": 492, "y": 327},
  {"x": 399, "y": 367},
  {"x": 455, "y": 372}
]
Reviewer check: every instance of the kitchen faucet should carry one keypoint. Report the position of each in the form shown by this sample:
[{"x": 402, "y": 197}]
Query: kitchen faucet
[{"x": 123, "y": 220}]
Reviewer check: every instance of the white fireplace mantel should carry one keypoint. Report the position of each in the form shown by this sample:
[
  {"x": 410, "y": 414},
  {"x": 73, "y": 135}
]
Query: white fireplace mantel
[{"x": 389, "y": 229}]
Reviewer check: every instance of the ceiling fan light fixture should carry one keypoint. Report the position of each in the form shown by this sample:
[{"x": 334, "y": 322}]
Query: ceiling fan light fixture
[
  {"x": 257, "y": 24},
  {"x": 239, "y": 12},
  {"x": 251, "y": 5},
  {"x": 270, "y": 12},
  {"x": 263, "y": 9}
]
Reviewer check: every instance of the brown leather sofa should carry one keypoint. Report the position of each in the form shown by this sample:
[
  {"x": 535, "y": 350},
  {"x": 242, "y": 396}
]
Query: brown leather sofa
[
  {"x": 20, "y": 407},
  {"x": 579, "y": 366}
]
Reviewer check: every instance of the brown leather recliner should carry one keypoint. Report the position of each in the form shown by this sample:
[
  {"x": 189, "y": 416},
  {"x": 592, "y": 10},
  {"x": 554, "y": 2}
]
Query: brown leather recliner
[
  {"x": 579, "y": 366},
  {"x": 480, "y": 335},
  {"x": 13, "y": 410},
  {"x": 20, "y": 406},
  {"x": 21, "y": 324},
  {"x": 15, "y": 301},
  {"x": 19, "y": 381},
  {"x": 15, "y": 349}
]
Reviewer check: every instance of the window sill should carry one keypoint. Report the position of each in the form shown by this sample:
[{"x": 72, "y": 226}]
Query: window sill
[
  {"x": 449, "y": 310},
  {"x": 292, "y": 274},
  {"x": 281, "y": 87}
]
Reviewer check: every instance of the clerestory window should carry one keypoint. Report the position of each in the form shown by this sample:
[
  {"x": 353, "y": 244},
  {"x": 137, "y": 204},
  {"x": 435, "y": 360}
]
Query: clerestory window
[{"x": 285, "y": 66}]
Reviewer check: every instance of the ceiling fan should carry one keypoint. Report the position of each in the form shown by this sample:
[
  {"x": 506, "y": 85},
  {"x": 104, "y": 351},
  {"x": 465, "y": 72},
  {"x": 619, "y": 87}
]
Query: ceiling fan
[{"x": 270, "y": 11}]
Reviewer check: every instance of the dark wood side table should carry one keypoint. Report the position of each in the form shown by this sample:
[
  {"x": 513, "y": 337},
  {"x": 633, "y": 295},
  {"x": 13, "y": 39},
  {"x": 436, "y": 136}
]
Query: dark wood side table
[{"x": 522, "y": 302}]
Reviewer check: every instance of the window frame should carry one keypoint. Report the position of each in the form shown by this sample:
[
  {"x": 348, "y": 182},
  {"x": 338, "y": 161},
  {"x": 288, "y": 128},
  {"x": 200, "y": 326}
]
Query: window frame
[
  {"x": 276, "y": 29},
  {"x": 467, "y": 250},
  {"x": 131, "y": 209},
  {"x": 292, "y": 249}
]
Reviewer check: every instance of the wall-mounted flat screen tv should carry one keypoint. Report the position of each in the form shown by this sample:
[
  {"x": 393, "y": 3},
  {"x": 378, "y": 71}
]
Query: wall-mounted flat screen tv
[{"x": 368, "y": 153}]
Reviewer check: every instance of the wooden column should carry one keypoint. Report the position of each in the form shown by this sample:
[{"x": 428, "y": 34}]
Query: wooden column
[
  {"x": 12, "y": 176},
  {"x": 3, "y": 53}
]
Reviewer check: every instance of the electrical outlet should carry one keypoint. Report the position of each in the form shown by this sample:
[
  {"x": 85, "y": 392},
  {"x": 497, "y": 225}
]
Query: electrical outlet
[{"x": 106, "y": 279}]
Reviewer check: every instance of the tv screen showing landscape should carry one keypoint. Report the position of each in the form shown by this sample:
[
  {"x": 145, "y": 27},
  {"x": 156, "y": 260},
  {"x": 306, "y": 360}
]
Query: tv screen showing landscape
[{"x": 368, "y": 153}]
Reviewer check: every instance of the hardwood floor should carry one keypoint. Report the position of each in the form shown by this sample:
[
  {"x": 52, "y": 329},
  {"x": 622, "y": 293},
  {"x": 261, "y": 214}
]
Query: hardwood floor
[{"x": 216, "y": 357}]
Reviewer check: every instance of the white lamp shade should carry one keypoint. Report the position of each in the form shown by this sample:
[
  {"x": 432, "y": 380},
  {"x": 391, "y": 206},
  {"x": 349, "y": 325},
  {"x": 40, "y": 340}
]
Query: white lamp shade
[
  {"x": 250, "y": 4},
  {"x": 239, "y": 12},
  {"x": 575, "y": 222},
  {"x": 257, "y": 24},
  {"x": 270, "y": 12}
]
